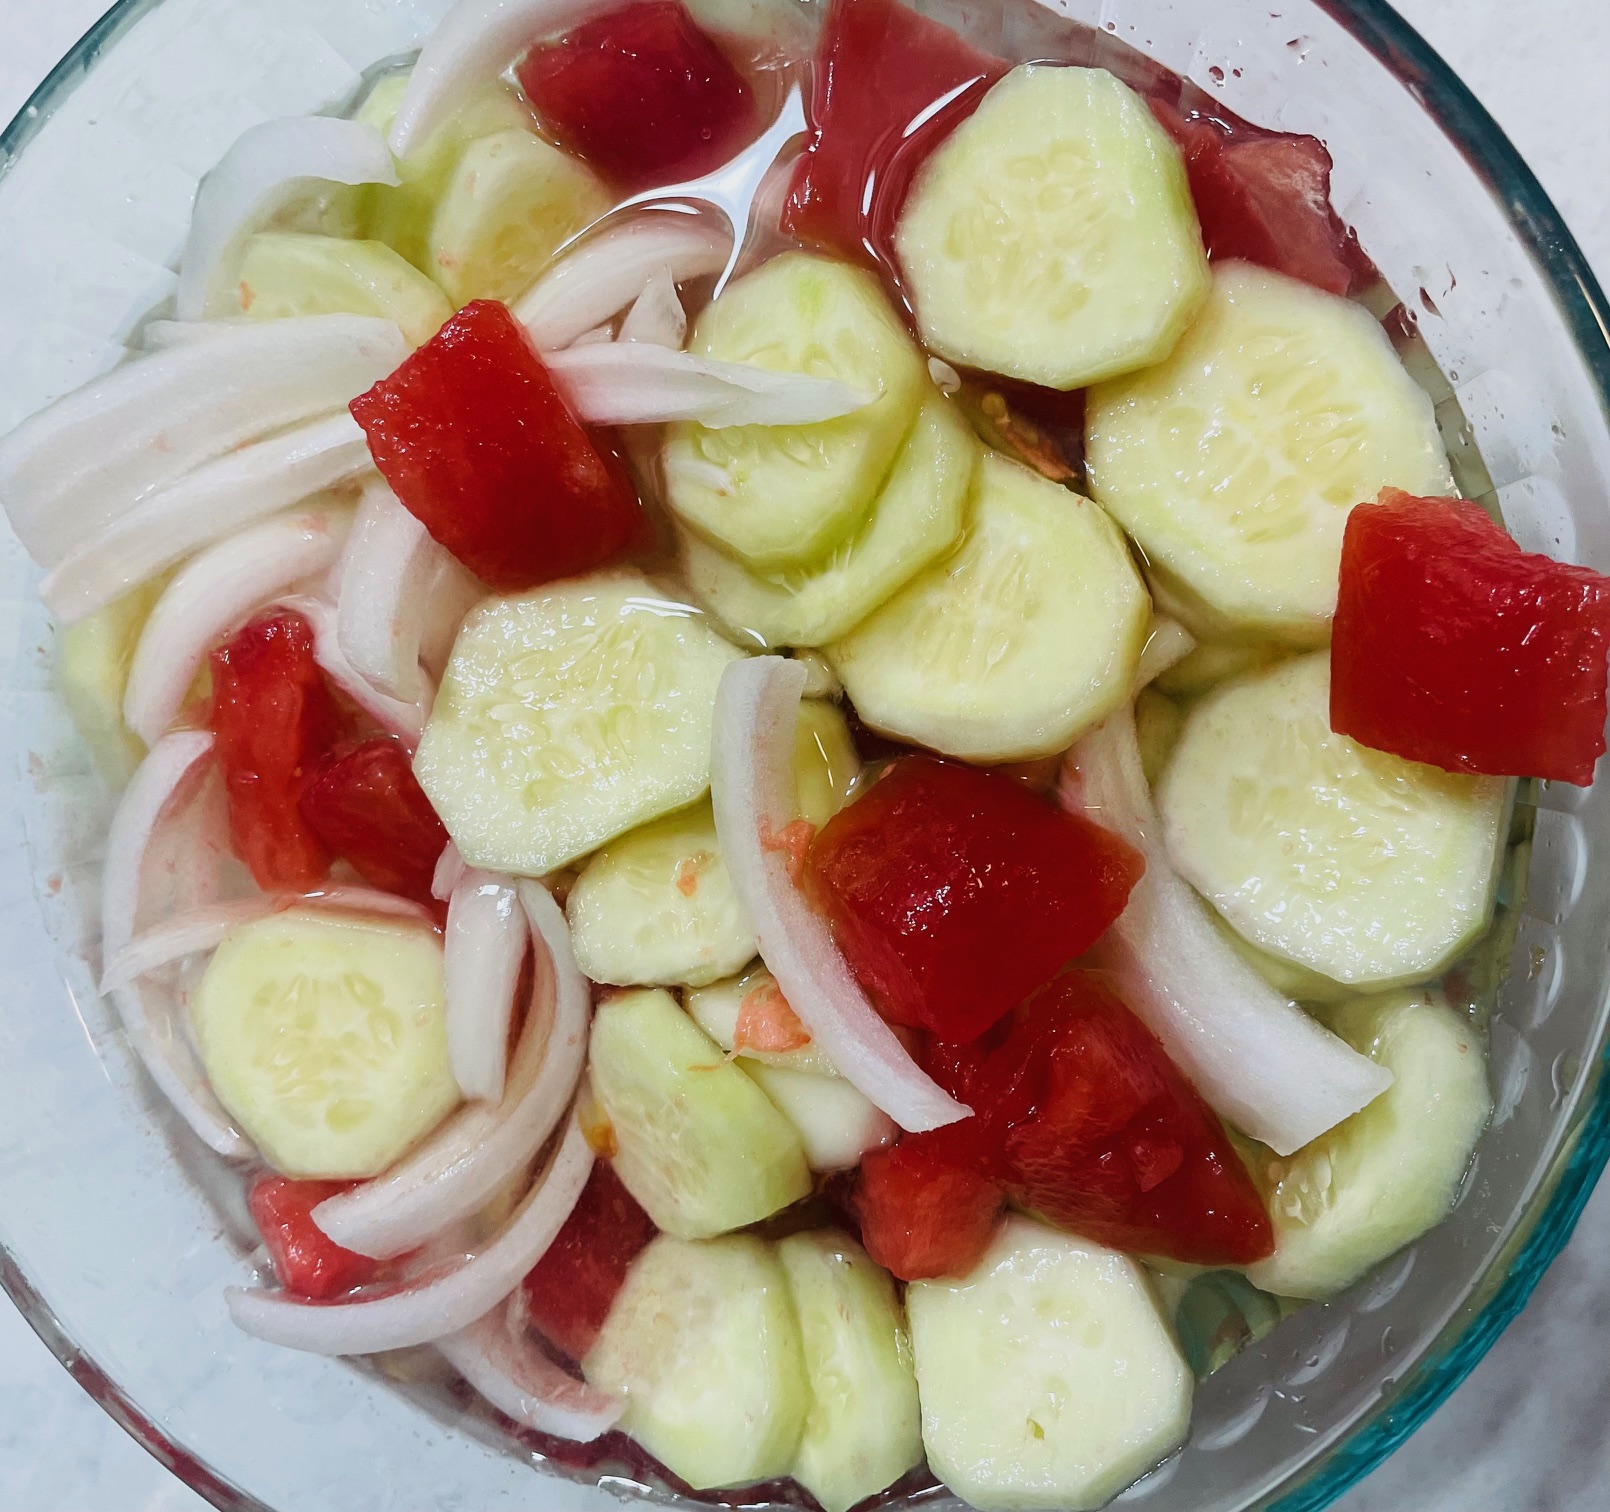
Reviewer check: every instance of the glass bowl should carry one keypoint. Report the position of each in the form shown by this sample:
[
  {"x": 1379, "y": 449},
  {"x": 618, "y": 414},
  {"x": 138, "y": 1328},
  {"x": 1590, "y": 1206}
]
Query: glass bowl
[{"x": 118, "y": 1233}]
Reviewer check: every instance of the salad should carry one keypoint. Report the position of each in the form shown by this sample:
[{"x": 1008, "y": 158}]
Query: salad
[{"x": 810, "y": 741}]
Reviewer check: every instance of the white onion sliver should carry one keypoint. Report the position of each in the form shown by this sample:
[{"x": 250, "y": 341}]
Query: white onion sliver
[
  {"x": 607, "y": 272},
  {"x": 70, "y": 470},
  {"x": 751, "y": 783},
  {"x": 515, "y": 1375},
  {"x": 218, "y": 497},
  {"x": 449, "y": 869},
  {"x": 448, "y": 600},
  {"x": 270, "y": 166},
  {"x": 389, "y": 565},
  {"x": 166, "y": 837},
  {"x": 444, "y": 1304},
  {"x": 482, "y": 1145},
  {"x": 657, "y": 316},
  {"x": 1257, "y": 1058},
  {"x": 636, "y": 383},
  {"x": 163, "y": 335},
  {"x": 404, "y": 720},
  {"x": 486, "y": 943},
  {"x": 1167, "y": 643},
  {"x": 595, "y": 337},
  {"x": 214, "y": 593}
]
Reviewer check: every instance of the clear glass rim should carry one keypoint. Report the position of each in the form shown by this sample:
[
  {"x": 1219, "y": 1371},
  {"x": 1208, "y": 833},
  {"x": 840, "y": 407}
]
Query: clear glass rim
[{"x": 1584, "y": 1150}]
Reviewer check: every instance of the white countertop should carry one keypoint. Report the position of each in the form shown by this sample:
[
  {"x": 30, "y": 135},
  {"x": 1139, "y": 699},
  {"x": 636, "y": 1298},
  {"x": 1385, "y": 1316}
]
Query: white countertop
[{"x": 1530, "y": 1430}]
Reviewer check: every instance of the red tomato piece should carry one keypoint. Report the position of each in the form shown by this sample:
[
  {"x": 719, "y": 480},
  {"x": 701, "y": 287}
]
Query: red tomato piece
[
  {"x": 272, "y": 719},
  {"x": 367, "y": 806},
  {"x": 924, "y": 1208},
  {"x": 642, "y": 94},
  {"x": 1454, "y": 647},
  {"x": 307, "y": 1261},
  {"x": 879, "y": 67},
  {"x": 569, "y": 1291},
  {"x": 954, "y": 893},
  {"x": 477, "y": 441}
]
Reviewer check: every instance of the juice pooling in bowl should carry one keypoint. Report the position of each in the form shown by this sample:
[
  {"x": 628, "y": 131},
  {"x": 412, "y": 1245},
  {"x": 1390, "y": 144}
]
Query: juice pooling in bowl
[{"x": 767, "y": 814}]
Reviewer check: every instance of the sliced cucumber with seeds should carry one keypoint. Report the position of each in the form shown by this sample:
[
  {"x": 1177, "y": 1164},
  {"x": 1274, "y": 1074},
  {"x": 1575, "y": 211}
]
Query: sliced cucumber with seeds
[
  {"x": 837, "y": 1124},
  {"x": 780, "y": 495},
  {"x": 284, "y": 273},
  {"x": 1027, "y": 635},
  {"x": 1364, "y": 867},
  {"x": 1052, "y": 235},
  {"x": 917, "y": 517},
  {"x": 698, "y": 1144},
  {"x": 568, "y": 716},
  {"x": 826, "y": 762},
  {"x": 864, "y": 1428},
  {"x": 1383, "y": 1177},
  {"x": 715, "y": 1010},
  {"x": 703, "y": 1344},
  {"x": 1235, "y": 462},
  {"x": 92, "y": 671},
  {"x": 1048, "y": 1376},
  {"x": 326, "y": 1039}
]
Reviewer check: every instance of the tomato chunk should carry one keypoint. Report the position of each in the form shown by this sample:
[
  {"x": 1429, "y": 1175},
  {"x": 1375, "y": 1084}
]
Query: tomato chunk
[
  {"x": 642, "y": 94},
  {"x": 954, "y": 893},
  {"x": 569, "y": 1291},
  {"x": 272, "y": 719},
  {"x": 367, "y": 806},
  {"x": 924, "y": 1208},
  {"x": 1454, "y": 647},
  {"x": 879, "y": 67},
  {"x": 475, "y": 439},
  {"x": 306, "y": 1260}
]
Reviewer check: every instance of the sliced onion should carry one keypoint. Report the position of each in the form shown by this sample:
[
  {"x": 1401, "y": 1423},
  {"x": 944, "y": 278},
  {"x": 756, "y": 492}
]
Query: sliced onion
[
  {"x": 165, "y": 851},
  {"x": 214, "y": 593},
  {"x": 449, "y": 599},
  {"x": 482, "y": 1146},
  {"x": 472, "y": 44},
  {"x": 1167, "y": 643},
  {"x": 69, "y": 471},
  {"x": 603, "y": 275},
  {"x": 486, "y": 941},
  {"x": 449, "y": 870},
  {"x": 217, "y": 498},
  {"x": 510, "y": 1369},
  {"x": 595, "y": 337},
  {"x": 438, "y": 1304},
  {"x": 751, "y": 783},
  {"x": 404, "y": 720},
  {"x": 387, "y": 570},
  {"x": 162, "y": 335},
  {"x": 657, "y": 316},
  {"x": 1258, "y": 1059},
  {"x": 271, "y": 166},
  {"x": 633, "y": 383}
]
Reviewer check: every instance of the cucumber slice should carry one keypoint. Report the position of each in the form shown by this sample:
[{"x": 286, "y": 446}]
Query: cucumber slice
[
  {"x": 285, "y": 273},
  {"x": 917, "y": 517},
  {"x": 1024, "y": 637},
  {"x": 697, "y": 1143},
  {"x": 1366, "y": 868},
  {"x": 777, "y": 495},
  {"x": 1052, "y": 235},
  {"x": 568, "y": 716},
  {"x": 703, "y": 1344},
  {"x": 1048, "y": 1376},
  {"x": 511, "y": 201},
  {"x": 326, "y": 1039},
  {"x": 864, "y": 1427},
  {"x": 715, "y": 1010},
  {"x": 1234, "y": 464},
  {"x": 1213, "y": 662},
  {"x": 656, "y": 907},
  {"x": 826, "y": 762},
  {"x": 1158, "y": 721},
  {"x": 92, "y": 671},
  {"x": 1381, "y": 1178},
  {"x": 837, "y": 1125},
  {"x": 1286, "y": 977}
]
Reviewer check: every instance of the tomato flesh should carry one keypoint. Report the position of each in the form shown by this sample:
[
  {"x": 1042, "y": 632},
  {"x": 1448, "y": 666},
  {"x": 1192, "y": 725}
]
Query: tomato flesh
[
  {"x": 272, "y": 718},
  {"x": 642, "y": 94},
  {"x": 367, "y": 807},
  {"x": 1454, "y": 647},
  {"x": 306, "y": 1260},
  {"x": 954, "y": 893},
  {"x": 923, "y": 1207},
  {"x": 879, "y": 66},
  {"x": 569, "y": 1291},
  {"x": 476, "y": 440}
]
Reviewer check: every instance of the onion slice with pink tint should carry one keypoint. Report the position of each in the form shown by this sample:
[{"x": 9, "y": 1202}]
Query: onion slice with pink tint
[
  {"x": 485, "y": 948},
  {"x": 404, "y": 720},
  {"x": 448, "y": 600},
  {"x": 483, "y": 1145},
  {"x": 657, "y": 316},
  {"x": 752, "y": 784},
  {"x": 1168, "y": 643},
  {"x": 442, "y": 1301},
  {"x": 1258, "y": 1059},
  {"x": 450, "y": 869}
]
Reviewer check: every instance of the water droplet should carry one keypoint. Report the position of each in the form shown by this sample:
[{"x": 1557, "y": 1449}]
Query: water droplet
[
  {"x": 1389, "y": 1345},
  {"x": 1216, "y": 74}
]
